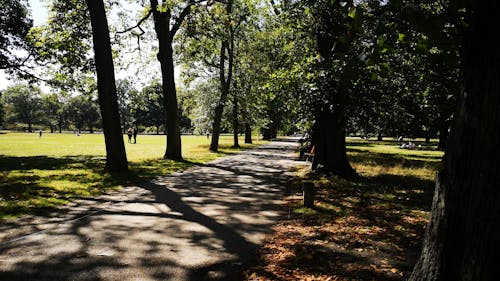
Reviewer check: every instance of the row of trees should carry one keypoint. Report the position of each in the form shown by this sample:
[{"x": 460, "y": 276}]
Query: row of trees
[
  {"x": 384, "y": 67},
  {"x": 368, "y": 67},
  {"x": 314, "y": 59},
  {"x": 24, "y": 106}
]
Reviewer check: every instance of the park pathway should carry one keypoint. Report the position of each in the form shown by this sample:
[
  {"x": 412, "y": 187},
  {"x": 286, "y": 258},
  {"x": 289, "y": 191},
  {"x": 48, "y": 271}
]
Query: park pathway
[{"x": 204, "y": 223}]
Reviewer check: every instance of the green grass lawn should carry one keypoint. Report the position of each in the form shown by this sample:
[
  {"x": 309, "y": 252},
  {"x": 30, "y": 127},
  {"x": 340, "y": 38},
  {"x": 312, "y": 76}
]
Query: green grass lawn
[
  {"x": 40, "y": 173},
  {"x": 365, "y": 229}
]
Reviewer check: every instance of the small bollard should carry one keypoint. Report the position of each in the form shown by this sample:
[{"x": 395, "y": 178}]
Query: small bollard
[{"x": 308, "y": 193}]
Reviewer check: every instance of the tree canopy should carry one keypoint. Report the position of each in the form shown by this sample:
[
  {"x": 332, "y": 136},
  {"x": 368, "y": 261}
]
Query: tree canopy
[{"x": 15, "y": 23}]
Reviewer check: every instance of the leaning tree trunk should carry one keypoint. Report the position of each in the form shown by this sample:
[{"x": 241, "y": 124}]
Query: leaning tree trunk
[
  {"x": 328, "y": 137},
  {"x": 225, "y": 81},
  {"x": 462, "y": 240},
  {"x": 214, "y": 143},
  {"x": 165, "y": 57},
  {"x": 116, "y": 159}
]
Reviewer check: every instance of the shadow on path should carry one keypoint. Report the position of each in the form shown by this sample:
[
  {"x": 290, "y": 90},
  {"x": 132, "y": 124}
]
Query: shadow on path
[{"x": 204, "y": 223}]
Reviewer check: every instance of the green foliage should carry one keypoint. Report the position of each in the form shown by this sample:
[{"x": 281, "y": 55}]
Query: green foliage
[
  {"x": 148, "y": 106},
  {"x": 63, "y": 45},
  {"x": 415, "y": 78},
  {"x": 54, "y": 114},
  {"x": 83, "y": 111},
  {"x": 14, "y": 26},
  {"x": 217, "y": 47},
  {"x": 125, "y": 92},
  {"x": 25, "y": 104},
  {"x": 375, "y": 62}
]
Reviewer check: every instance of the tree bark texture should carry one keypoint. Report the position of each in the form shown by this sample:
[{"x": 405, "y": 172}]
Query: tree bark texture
[
  {"x": 328, "y": 137},
  {"x": 462, "y": 240},
  {"x": 165, "y": 57},
  {"x": 116, "y": 158},
  {"x": 214, "y": 143}
]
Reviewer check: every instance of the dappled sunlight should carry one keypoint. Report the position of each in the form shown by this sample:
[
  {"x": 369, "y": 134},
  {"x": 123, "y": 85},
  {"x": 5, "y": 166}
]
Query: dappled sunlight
[
  {"x": 368, "y": 229},
  {"x": 202, "y": 220}
]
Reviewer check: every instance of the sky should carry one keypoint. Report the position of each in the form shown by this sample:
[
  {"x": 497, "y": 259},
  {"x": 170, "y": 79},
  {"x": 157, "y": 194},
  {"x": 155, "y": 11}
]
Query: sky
[{"x": 38, "y": 12}]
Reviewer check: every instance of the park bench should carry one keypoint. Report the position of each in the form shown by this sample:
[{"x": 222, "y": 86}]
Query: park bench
[{"x": 309, "y": 156}]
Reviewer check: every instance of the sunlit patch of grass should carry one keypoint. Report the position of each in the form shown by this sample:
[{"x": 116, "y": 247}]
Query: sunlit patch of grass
[
  {"x": 40, "y": 173},
  {"x": 367, "y": 229}
]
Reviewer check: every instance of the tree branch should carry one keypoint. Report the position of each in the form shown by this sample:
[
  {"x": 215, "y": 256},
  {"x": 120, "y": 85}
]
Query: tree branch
[
  {"x": 182, "y": 16},
  {"x": 34, "y": 76},
  {"x": 138, "y": 25}
]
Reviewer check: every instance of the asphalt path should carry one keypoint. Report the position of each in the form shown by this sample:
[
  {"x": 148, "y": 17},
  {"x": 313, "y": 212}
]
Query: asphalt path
[{"x": 205, "y": 223}]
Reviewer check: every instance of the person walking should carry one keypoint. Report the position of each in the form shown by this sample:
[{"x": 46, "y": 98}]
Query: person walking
[
  {"x": 129, "y": 134},
  {"x": 134, "y": 131}
]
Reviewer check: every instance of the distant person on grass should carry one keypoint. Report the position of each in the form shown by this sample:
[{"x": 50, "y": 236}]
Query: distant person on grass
[
  {"x": 40, "y": 133},
  {"x": 129, "y": 134},
  {"x": 134, "y": 131}
]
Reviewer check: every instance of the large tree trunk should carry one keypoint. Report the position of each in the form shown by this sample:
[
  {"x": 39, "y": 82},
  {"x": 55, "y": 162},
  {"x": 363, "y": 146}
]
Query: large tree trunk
[
  {"x": 248, "y": 133},
  {"x": 462, "y": 240},
  {"x": 60, "y": 125},
  {"x": 269, "y": 133},
  {"x": 328, "y": 137},
  {"x": 214, "y": 143},
  {"x": 427, "y": 136},
  {"x": 443, "y": 136},
  {"x": 235, "y": 120},
  {"x": 116, "y": 159},
  {"x": 165, "y": 57}
]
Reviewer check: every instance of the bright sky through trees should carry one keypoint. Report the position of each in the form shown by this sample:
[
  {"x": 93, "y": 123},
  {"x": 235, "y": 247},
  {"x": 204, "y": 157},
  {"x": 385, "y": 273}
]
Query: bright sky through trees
[{"x": 39, "y": 15}]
